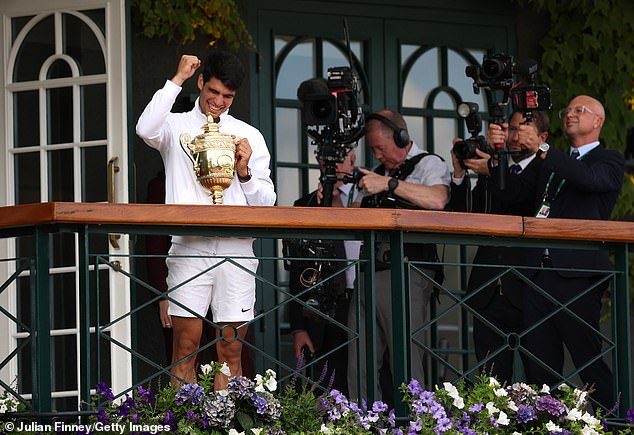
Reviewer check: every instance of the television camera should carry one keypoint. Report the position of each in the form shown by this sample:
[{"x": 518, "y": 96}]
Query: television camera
[
  {"x": 500, "y": 72},
  {"x": 334, "y": 118},
  {"x": 314, "y": 261}
]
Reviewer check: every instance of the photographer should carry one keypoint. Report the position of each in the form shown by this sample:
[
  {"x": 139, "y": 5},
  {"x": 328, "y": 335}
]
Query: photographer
[
  {"x": 583, "y": 183},
  {"x": 313, "y": 335},
  {"x": 408, "y": 177},
  {"x": 500, "y": 303}
]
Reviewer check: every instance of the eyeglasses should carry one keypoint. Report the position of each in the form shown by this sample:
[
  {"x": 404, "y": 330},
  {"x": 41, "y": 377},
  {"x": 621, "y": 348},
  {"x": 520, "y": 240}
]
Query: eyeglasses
[{"x": 578, "y": 111}]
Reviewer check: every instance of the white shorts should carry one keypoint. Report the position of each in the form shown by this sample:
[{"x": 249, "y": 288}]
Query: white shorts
[{"x": 225, "y": 287}]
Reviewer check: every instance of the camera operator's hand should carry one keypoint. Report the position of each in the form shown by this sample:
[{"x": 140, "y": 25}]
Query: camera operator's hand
[
  {"x": 479, "y": 166},
  {"x": 497, "y": 133},
  {"x": 301, "y": 339},
  {"x": 372, "y": 182},
  {"x": 458, "y": 170},
  {"x": 528, "y": 137},
  {"x": 186, "y": 68},
  {"x": 336, "y": 197}
]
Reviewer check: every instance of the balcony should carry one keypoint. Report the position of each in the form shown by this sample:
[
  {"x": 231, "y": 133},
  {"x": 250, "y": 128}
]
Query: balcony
[{"x": 105, "y": 330}]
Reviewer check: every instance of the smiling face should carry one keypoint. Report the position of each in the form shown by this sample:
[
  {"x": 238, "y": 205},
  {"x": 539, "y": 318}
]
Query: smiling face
[
  {"x": 215, "y": 97},
  {"x": 584, "y": 119}
]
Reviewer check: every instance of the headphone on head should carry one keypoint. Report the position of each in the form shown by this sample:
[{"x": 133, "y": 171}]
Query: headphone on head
[{"x": 401, "y": 136}]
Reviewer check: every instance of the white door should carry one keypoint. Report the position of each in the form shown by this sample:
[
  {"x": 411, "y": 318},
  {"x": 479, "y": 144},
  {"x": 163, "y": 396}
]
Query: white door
[{"x": 63, "y": 119}]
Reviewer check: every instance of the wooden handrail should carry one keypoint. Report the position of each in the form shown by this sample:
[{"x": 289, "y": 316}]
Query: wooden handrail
[{"x": 315, "y": 218}]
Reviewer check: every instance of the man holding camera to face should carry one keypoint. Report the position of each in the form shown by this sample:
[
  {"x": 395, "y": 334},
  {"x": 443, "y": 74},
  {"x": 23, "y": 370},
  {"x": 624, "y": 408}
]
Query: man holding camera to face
[
  {"x": 500, "y": 302},
  {"x": 583, "y": 183},
  {"x": 410, "y": 178}
]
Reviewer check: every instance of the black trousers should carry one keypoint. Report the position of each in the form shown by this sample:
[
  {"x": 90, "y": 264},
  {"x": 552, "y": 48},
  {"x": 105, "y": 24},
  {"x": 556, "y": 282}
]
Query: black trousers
[
  {"x": 507, "y": 318},
  {"x": 547, "y": 340}
]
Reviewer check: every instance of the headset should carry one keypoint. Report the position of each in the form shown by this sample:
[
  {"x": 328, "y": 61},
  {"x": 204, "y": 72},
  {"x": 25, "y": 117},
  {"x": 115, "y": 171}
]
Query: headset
[{"x": 401, "y": 136}]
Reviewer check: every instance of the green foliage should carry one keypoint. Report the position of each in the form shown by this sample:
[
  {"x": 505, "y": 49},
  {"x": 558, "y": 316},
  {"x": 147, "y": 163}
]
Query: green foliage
[
  {"x": 185, "y": 20},
  {"x": 588, "y": 50},
  {"x": 299, "y": 410}
]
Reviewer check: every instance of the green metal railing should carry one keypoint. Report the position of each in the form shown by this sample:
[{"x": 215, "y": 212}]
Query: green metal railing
[{"x": 94, "y": 330}]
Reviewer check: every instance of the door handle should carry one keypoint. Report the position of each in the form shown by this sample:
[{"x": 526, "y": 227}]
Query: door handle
[{"x": 113, "y": 168}]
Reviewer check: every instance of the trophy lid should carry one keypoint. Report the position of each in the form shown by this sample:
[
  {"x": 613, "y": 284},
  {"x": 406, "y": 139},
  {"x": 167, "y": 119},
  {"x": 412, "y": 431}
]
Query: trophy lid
[{"x": 211, "y": 137}]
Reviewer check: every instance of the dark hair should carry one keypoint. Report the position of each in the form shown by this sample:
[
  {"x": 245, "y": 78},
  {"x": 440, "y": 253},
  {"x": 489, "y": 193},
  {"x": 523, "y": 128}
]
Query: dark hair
[{"x": 224, "y": 66}]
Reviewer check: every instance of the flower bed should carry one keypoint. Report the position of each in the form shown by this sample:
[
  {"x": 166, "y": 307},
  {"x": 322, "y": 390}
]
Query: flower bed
[{"x": 253, "y": 407}]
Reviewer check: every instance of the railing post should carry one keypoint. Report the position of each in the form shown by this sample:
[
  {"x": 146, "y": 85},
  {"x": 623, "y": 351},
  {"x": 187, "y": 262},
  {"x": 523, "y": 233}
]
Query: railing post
[
  {"x": 84, "y": 316},
  {"x": 372, "y": 377},
  {"x": 623, "y": 375},
  {"x": 40, "y": 313},
  {"x": 401, "y": 353}
]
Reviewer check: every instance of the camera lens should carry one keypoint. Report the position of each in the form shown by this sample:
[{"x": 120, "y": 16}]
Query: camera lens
[
  {"x": 463, "y": 150},
  {"x": 322, "y": 109},
  {"x": 493, "y": 68}
]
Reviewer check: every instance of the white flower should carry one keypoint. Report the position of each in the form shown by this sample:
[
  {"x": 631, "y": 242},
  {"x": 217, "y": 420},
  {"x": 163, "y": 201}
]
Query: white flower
[
  {"x": 545, "y": 389},
  {"x": 453, "y": 393},
  {"x": 256, "y": 431},
  {"x": 259, "y": 383},
  {"x": 516, "y": 433},
  {"x": 325, "y": 429},
  {"x": 581, "y": 396},
  {"x": 574, "y": 414},
  {"x": 512, "y": 406},
  {"x": 3, "y": 408},
  {"x": 225, "y": 370},
  {"x": 235, "y": 432},
  {"x": 589, "y": 419},
  {"x": 493, "y": 382},
  {"x": 552, "y": 427},
  {"x": 587, "y": 430},
  {"x": 491, "y": 408},
  {"x": 206, "y": 369},
  {"x": 224, "y": 392},
  {"x": 503, "y": 419},
  {"x": 500, "y": 392},
  {"x": 271, "y": 373},
  {"x": 271, "y": 384}
]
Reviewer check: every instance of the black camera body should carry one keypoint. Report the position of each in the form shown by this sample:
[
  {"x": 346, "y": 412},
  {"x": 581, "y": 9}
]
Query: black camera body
[
  {"x": 466, "y": 149},
  {"x": 313, "y": 261},
  {"x": 496, "y": 72},
  {"x": 332, "y": 112}
]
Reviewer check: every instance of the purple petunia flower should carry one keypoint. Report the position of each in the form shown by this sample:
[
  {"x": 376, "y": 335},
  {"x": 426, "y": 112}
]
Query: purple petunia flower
[
  {"x": 105, "y": 391},
  {"x": 191, "y": 416},
  {"x": 145, "y": 396},
  {"x": 630, "y": 415},
  {"x": 414, "y": 387},
  {"x": 442, "y": 425},
  {"x": 169, "y": 419},
  {"x": 427, "y": 397},
  {"x": 550, "y": 405},
  {"x": 379, "y": 406},
  {"x": 526, "y": 413},
  {"x": 477, "y": 407},
  {"x": 101, "y": 416}
]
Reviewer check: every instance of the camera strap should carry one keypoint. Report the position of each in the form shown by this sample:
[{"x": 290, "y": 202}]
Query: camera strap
[{"x": 401, "y": 173}]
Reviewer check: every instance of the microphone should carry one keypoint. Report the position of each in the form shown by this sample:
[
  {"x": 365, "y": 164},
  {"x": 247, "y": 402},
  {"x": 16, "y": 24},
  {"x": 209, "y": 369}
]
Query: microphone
[{"x": 313, "y": 89}]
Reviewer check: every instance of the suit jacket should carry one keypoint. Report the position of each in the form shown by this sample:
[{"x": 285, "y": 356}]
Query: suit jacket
[
  {"x": 486, "y": 198},
  {"x": 592, "y": 186},
  {"x": 296, "y": 316}
]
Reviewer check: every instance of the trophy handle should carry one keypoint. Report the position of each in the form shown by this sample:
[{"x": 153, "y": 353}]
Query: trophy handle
[{"x": 185, "y": 139}]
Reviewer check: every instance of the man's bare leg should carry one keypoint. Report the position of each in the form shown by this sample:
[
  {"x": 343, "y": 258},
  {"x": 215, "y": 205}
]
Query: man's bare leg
[
  {"x": 187, "y": 333},
  {"x": 229, "y": 351}
]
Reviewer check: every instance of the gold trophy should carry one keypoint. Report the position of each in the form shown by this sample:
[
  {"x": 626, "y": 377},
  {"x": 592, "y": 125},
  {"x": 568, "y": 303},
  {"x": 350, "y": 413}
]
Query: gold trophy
[{"x": 213, "y": 156}]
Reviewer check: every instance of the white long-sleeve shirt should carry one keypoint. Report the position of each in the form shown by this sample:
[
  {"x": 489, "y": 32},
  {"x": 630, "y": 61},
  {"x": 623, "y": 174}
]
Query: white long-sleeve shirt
[{"x": 161, "y": 129}]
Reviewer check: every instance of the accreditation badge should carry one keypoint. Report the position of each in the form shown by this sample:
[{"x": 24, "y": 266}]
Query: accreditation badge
[{"x": 544, "y": 210}]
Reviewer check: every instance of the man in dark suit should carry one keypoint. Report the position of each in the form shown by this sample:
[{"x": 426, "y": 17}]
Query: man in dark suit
[
  {"x": 498, "y": 299},
  {"x": 584, "y": 185},
  {"x": 314, "y": 335}
]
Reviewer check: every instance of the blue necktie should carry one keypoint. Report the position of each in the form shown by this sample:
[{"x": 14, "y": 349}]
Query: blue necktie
[
  {"x": 574, "y": 153},
  {"x": 515, "y": 169}
]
